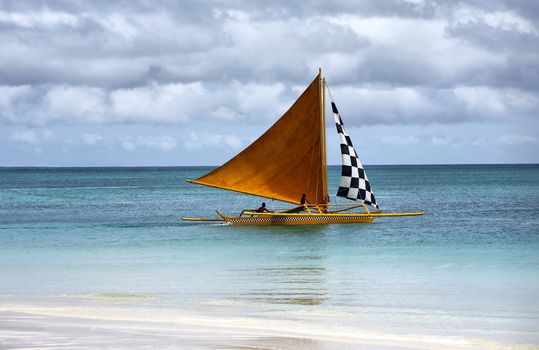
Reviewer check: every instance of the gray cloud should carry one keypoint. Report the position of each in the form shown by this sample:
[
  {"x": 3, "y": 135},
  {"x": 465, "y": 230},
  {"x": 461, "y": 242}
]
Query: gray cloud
[
  {"x": 109, "y": 62},
  {"x": 428, "y": 106},
  {"x": 157, "y": 103}
]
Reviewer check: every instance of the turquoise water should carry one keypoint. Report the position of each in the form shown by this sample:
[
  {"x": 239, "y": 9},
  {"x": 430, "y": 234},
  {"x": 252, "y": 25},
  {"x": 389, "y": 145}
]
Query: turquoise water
[{"x": 109, "y": 236}]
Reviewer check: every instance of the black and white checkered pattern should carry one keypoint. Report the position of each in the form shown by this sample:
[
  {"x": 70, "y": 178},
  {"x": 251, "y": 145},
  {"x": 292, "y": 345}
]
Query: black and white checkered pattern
[{"x": 354, "y": 182}]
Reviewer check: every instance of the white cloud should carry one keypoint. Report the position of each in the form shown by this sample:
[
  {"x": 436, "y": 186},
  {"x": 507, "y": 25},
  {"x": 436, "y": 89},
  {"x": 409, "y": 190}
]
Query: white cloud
[
  {"x": 517, "y": 140},
  {"x": 401, "y": 44},
  {"x": 451, "y": 141},
  {"x": 226, "y": 113},
  {"x": 362, "y": 106},
  {"x": 72, "y": 104},
  {"x": 177, "y": 104},
  {"x": 441, "y": 141},
  {"x": 162, "y": 104},
  {"x": 202, "y": 139},
  {"x": 119, "y": 24},
  {"x": 27, "y": 136},
  {"x": 32, "y": 136},
  {"x": 170, "y": 103},
  {"x": 400, "y": 140},
  {"x": 44, "y": 18},
  {"x": 480, "y": 142},
  {"x": 232, "y": 141},
  {"x": 8, "y": 95},
  {"x": 507, "y": 20},
  {"x": 253, "y": 99},
  {"x": 47, "y": 134},
  {"x": 164, "y": 143},
  {"x": 13, "y": 98},
  {"x": 91, "y": 139},
  {"x": 129, "y": 143},
  {"x": 482, "y": 100}
]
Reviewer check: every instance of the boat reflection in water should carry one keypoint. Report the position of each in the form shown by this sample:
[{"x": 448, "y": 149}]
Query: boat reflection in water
[{"x": 299, "y": 278}]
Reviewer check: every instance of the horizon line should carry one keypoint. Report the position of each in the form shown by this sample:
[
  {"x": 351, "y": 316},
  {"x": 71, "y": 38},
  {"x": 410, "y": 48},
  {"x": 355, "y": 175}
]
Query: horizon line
[{"x": 201, "y": 166}]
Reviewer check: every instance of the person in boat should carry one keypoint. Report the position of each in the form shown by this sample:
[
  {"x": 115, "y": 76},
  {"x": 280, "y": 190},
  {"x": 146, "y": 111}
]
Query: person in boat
[
  {"x": 263, "y": 209},
  {"x": 304, "y": 200}
]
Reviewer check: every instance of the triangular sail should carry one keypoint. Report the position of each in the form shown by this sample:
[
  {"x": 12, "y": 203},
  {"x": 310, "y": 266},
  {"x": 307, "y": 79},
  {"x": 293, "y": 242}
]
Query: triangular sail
[
  {"x": 285, "y": 162},
  {"x": 354, "y": 183}
]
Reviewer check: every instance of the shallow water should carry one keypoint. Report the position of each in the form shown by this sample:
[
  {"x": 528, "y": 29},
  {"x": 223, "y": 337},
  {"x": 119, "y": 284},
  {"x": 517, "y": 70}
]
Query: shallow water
[{"x": 112, "y": 237}]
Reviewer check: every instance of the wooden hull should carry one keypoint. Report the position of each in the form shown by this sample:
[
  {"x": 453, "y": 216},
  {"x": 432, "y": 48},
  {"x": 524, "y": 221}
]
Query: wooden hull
[
  {"x": 313, "y": 218},
  {"x": 298, "y": 220}
]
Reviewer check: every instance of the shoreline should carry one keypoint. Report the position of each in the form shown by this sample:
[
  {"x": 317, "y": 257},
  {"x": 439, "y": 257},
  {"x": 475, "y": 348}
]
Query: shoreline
[{"x": 31, "y": 327}]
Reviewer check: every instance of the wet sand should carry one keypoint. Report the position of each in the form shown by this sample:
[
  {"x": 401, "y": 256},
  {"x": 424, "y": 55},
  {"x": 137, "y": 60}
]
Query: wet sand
[{"x": 78, "y": 328}]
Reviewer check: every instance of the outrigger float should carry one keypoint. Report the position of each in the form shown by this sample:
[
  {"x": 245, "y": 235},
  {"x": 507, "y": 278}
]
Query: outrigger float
[{"x": 288, "y": 163}]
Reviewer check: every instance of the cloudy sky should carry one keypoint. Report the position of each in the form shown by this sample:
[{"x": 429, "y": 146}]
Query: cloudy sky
[{"x": 140, "y": 82}]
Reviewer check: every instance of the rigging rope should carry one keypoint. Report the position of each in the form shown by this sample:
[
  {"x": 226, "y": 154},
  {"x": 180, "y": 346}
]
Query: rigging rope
[{"x": 336, "y": 198}]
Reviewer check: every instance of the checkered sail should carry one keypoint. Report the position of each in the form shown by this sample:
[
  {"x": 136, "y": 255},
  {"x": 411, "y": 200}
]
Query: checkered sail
[{"x": 354, "y": 183}]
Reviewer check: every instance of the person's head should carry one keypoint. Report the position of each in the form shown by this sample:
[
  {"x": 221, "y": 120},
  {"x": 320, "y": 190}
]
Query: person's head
[
  {"x": 263, "y": 204},
  {"x": 303, "y": 195}
]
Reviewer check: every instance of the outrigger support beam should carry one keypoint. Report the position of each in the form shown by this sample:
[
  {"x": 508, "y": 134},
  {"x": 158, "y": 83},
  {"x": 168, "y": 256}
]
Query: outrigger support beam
[
  {"x": 203, "y": 219},
  {"x": 220, "y": 219},
  {"x": 348, "y": 208}
]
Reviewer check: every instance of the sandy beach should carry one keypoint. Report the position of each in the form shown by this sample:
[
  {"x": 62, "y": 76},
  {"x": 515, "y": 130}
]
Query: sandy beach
[{"x": 25, "y": 327}]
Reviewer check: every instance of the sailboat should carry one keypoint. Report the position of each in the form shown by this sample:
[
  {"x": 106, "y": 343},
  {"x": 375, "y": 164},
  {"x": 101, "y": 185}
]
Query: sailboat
[{"x": 288, "y": 163}]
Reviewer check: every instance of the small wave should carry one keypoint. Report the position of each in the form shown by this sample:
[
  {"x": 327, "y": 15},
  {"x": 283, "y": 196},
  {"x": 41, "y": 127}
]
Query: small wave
[
  {"x": 111, "y": 296},
  {"x": 320, "y": 313},
  {"x": 494, "y": 345},
  {"x": 143, "y": 225},
  {"x": 224, "y": 302}
]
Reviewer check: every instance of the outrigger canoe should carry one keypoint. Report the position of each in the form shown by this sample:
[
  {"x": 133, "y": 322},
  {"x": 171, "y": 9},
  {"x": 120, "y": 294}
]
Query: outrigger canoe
[{"x": 288, "y": 162}]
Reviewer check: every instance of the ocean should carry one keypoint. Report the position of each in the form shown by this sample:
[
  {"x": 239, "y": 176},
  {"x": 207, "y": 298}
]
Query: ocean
[{"x": 112, "y": 239}]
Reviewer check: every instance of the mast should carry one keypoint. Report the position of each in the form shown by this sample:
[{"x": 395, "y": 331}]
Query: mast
[{"x": 323, "y": 137}]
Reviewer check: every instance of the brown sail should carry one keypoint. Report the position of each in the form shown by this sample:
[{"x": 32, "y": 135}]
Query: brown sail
[{"x": 287, "y": 160}]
